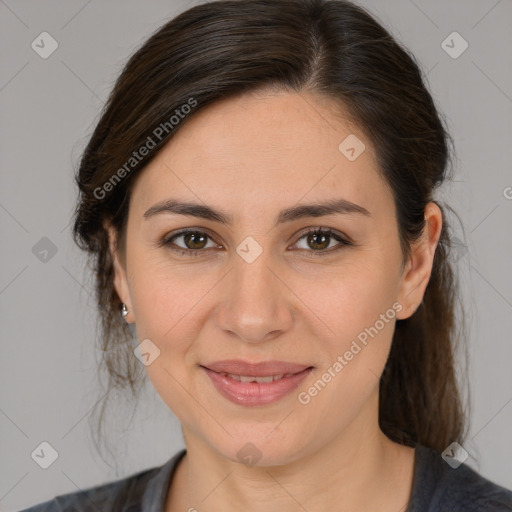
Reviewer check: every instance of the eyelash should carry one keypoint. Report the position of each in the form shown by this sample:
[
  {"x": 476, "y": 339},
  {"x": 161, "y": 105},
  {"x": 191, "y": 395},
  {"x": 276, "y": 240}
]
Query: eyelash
[{"x": 167, "y": 242}]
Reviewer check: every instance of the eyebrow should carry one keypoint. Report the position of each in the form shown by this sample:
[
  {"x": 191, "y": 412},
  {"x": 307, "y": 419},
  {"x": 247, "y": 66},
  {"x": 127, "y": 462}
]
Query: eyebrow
[{"x": 334, "y": 206}]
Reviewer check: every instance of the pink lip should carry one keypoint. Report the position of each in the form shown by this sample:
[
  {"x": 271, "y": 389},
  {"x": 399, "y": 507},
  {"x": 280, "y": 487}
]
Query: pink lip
[{"x": 255, "y": 393}]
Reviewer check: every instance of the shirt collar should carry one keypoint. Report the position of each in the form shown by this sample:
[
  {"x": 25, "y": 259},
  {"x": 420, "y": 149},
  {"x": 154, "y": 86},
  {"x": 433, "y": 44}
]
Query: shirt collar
[{"x": 155, "y": 493}]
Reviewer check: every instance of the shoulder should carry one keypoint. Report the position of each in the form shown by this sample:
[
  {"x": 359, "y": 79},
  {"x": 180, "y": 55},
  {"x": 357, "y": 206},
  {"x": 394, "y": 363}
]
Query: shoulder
[
  {"x": 438, "y": 487},
  {"x": 123, "y": 495},
  {"x": 102, "y": 497}
]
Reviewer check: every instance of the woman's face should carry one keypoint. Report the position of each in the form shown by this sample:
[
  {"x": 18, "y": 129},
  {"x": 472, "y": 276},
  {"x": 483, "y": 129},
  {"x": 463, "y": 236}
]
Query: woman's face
[{"x": 262, "y": 287}]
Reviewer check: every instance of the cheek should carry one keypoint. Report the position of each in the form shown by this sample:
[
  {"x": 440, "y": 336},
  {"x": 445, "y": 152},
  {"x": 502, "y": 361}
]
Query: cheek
[
  {"x": 165, "y": 296},
  {"x": 165, "y": 315},
  {"x": 169, "y": 301},
  {"x": 359, "y": 311},
  {"x": 351, "y": 298}
]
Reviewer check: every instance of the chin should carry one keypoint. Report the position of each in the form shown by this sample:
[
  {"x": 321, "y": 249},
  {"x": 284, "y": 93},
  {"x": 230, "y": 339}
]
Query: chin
[{"x": 259, "y": 449}]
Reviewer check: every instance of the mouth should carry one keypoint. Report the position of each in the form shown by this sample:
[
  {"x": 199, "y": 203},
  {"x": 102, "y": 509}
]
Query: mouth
[
  {"x": 259, "y": 380},
  {"x": 255, "y": 384}
]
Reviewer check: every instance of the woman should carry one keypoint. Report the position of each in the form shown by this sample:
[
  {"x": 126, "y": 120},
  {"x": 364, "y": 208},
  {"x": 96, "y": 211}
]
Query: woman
[{"x": 257, "y": 198}]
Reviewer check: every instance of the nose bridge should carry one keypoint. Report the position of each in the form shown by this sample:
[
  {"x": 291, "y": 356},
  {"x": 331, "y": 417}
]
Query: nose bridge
[{"x": 256, "y": 305}]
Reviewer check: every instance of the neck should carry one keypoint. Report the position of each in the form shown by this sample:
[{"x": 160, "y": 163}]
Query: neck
[{"x": 361, "y": 469}]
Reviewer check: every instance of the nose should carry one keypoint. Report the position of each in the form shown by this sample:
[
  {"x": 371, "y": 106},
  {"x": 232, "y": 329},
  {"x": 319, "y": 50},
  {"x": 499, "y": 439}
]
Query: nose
[{"x": 256, "y": 304}]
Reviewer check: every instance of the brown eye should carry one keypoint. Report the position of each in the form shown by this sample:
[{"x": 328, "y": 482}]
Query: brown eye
[
  {"x": 193, "y": 242},
  {"x": 319, "y": 241}
]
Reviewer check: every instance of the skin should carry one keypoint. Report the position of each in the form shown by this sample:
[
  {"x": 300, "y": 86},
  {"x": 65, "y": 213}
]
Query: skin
[{"x": 251, "y": 156}]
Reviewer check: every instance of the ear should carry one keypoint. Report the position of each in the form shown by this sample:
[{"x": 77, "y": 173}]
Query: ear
[
  {"x": 120, "y": 279},
  {"x": 417, "y": 271}
]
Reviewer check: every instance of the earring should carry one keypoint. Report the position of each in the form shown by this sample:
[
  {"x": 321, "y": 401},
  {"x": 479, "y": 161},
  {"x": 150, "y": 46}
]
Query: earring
[{"x": 124, "y": 310}]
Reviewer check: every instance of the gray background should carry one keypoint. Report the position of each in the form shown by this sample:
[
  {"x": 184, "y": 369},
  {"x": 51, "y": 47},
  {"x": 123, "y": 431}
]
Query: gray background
[{"x": 48, "y": 109}]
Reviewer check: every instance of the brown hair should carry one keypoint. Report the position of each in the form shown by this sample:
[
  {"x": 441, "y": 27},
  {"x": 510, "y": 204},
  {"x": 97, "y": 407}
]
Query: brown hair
[{"x": 331, "y": 47}]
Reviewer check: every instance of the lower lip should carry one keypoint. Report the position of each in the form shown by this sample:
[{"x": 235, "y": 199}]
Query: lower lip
[{"x": 255, "y": 393}]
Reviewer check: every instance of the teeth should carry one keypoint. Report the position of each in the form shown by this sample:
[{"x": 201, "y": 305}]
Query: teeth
[
  {"x": 256, "y": 379},
  {"x": 260, "y": 380}
]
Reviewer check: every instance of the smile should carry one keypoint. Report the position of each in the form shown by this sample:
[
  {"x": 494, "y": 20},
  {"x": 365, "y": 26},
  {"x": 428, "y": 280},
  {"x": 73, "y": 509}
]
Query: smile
[
  {"x": 261, "y": 380},
  {"x": 253, "y": 390}
]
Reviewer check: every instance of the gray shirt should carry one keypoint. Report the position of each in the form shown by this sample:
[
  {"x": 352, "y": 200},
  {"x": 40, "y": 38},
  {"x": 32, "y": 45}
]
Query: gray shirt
[{"x": 437, "y": 487}]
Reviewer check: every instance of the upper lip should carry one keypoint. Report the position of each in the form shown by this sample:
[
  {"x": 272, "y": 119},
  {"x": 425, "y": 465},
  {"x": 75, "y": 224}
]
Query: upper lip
[{"x": 260, "y": 369}]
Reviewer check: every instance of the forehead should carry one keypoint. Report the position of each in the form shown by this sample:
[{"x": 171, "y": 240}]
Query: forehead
[{"x": 255, "y": 149}]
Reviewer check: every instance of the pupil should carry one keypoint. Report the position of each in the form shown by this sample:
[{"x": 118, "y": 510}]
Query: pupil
[
  {"x": 194, "y": 235},
  {"x": 316, "y": 235}
]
